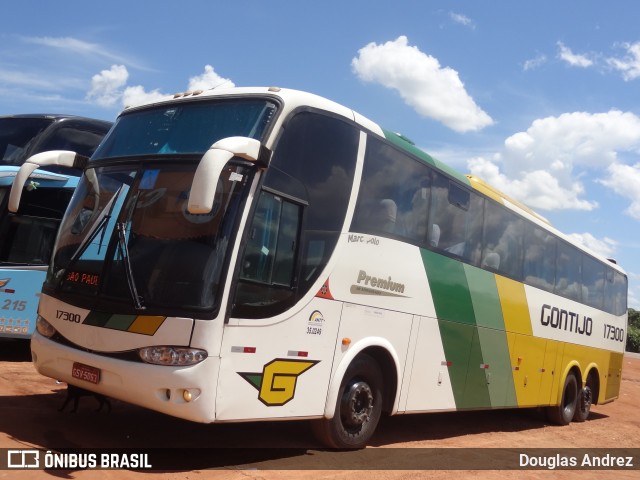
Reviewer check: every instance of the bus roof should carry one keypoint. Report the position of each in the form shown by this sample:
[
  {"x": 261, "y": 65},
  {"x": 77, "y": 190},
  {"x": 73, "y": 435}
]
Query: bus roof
[
  {"x": 293, "y": 99},
  {"x": 56, "y": 117}
]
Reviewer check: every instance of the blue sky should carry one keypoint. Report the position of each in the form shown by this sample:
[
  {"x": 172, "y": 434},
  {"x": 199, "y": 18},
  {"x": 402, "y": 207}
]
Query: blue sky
[{"x": 542, "y": 99}]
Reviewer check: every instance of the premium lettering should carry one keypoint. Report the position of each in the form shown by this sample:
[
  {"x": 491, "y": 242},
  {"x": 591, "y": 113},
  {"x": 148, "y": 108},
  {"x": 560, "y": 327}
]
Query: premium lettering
[{"x": 381, "y": 283}]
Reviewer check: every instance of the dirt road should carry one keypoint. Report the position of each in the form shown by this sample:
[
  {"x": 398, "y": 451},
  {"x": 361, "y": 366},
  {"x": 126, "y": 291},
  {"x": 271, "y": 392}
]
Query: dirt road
[{"x": 29, "y": 418}]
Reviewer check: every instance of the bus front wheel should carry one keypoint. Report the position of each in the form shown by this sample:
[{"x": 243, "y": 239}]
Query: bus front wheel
[
  {"x": 358, "y": 408},
  {"x": 563, "y": 414}
]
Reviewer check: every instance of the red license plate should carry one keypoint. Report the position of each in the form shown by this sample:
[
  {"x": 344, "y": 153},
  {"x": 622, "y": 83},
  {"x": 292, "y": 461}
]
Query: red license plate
[{"x": 85, "y": 372}]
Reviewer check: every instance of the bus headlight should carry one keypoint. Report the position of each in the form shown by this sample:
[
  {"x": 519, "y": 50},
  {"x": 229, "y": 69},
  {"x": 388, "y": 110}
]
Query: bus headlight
[
  {"x": 44, "y": 328},
  {"x": 174, "y": 356}
]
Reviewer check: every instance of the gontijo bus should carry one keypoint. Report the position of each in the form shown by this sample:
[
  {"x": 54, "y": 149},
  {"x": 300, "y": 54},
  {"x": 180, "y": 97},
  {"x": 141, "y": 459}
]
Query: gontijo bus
[
  {"x": 260, "y": 254},
  {"x": 27, "y": 236}
]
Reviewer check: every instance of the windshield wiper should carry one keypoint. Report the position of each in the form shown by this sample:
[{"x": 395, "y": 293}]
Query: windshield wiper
[
  {"x": 98, "y": 227},
  {"x": 138, "y": 301}
]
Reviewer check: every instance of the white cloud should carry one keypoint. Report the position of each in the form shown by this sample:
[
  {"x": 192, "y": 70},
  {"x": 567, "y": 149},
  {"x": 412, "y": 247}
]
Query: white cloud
[
  {"x": 81, "y": 47},
  {"x": 24, "y": 79},
  {"x": 462, "y": 20},
  {"x": 433, "y": 91},
  {"x": 573, "y": 59},
  {"x": 625, "y": 181},
  {"x": 534, "y": 63},
  {"x": 544, "y": 166},
  {"x": 209, "y": 79},
  {"x": 605, "y": 247},
  {"x": 591, "y": 139},
  {"x": 106, "y": 86},
  {"x": 134, "y": 96},
  {"x": 110, "y": 87},
  {"x": 538, "y": 189},
  {"x": 629, "y": 65},
  {"x": 66, "y": 43}
]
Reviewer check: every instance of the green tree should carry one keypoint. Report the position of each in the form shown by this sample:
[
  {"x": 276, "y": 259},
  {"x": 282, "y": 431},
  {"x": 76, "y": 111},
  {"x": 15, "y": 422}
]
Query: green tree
[{"x": 633, "y": 333}]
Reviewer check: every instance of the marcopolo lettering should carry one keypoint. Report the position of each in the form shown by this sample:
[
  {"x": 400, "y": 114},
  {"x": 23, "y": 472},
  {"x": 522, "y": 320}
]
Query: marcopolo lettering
[{"x": 565, "y": 320}]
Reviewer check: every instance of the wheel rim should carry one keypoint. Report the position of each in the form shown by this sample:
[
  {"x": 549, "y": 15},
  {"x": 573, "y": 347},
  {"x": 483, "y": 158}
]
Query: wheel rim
[
  {"x": 586, "y": 399},
  {"x": 357, "y": 404}
]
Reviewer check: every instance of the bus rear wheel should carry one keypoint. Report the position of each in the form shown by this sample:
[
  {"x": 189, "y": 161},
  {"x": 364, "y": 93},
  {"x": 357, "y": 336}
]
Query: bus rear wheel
[
  {"x": 358, "y": 408},
  {"x": 563, "y": 414},
  {"x": 585, "y": 399}
]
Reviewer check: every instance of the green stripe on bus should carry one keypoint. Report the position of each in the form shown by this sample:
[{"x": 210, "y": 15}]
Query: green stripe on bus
[
  {"x": 471, "y": 324},
  {"x": 457, "y": 321},
  {"x": 97, "y": 319},
  {"x": 109, "y": 320},
  {"x": 120, "y": 322},
  {"x": 449, "y": 288},
  {"x": 493, "y": 338},
  {"x": 456, "y": 339},
  {"x": 484, "y": 297},
  {"x": 499, "y": 374}
]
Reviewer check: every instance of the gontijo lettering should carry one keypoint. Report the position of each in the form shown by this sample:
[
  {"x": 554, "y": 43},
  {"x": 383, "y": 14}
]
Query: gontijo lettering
[{"x": 565, "y": 320}]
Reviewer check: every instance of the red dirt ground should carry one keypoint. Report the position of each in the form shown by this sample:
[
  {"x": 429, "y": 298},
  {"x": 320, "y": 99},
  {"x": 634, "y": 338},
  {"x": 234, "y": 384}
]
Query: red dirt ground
[{"x": 29, "y": 418}]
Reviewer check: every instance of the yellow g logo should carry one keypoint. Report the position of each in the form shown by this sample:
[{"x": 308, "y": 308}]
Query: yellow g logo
[{"x": 277, "y": 382}]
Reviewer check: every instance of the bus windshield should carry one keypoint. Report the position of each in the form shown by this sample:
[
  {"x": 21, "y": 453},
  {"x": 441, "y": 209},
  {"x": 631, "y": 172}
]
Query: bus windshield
[
  {"x": 128, "y": 239},
  {"x": 190, "y": 128},
  {"x": 16, "y": 134},
  {"x": 128, "y": 236}
]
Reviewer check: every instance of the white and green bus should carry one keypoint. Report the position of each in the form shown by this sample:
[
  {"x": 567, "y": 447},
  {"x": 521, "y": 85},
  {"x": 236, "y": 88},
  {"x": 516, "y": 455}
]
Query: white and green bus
[{"x": 260, "y": 254}]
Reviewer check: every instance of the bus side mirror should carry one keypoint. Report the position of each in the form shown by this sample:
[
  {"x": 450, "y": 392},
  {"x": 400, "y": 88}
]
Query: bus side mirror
[
  {"x": 64, "y": 158},
  {"x": 205, "y": 180}
]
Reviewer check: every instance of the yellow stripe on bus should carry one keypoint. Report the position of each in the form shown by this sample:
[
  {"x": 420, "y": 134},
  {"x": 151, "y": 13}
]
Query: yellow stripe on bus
[
  {"x": 515, "y": 309},
  {"x": 146, "y": 324}
]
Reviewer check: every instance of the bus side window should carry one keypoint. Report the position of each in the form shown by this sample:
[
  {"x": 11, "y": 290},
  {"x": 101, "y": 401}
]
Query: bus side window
[
  {"x": 540, "y": 258},
  {"x": 267, "y": 268},
  {"x": 317, "y": 153},
  {"x": 568, "y": 276},
  {"x": 394, "y": 194},
  {"x": 593, "y": 280},
  {"x": 615, "y": 299},
  {"x": 455, "y": 220},
  {"x": 503, "y": 240}
]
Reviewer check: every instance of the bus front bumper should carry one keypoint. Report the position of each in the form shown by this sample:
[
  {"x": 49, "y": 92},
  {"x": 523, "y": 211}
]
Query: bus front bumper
[{"x": 183, "y": 392}]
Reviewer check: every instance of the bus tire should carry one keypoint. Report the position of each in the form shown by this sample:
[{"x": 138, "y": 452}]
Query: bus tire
[
  {"x": 358, "y": 408},
  {"x": 563, "y": 414},
  {"x": 585, "y": 400}
]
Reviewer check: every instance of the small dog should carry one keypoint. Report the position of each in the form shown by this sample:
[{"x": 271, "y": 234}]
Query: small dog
[{"x": 74, "y": 393}]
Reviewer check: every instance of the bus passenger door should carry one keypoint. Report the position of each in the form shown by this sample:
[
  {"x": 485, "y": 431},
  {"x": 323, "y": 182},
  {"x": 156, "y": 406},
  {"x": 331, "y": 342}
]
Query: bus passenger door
[{"x": 275, "y": 356}]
